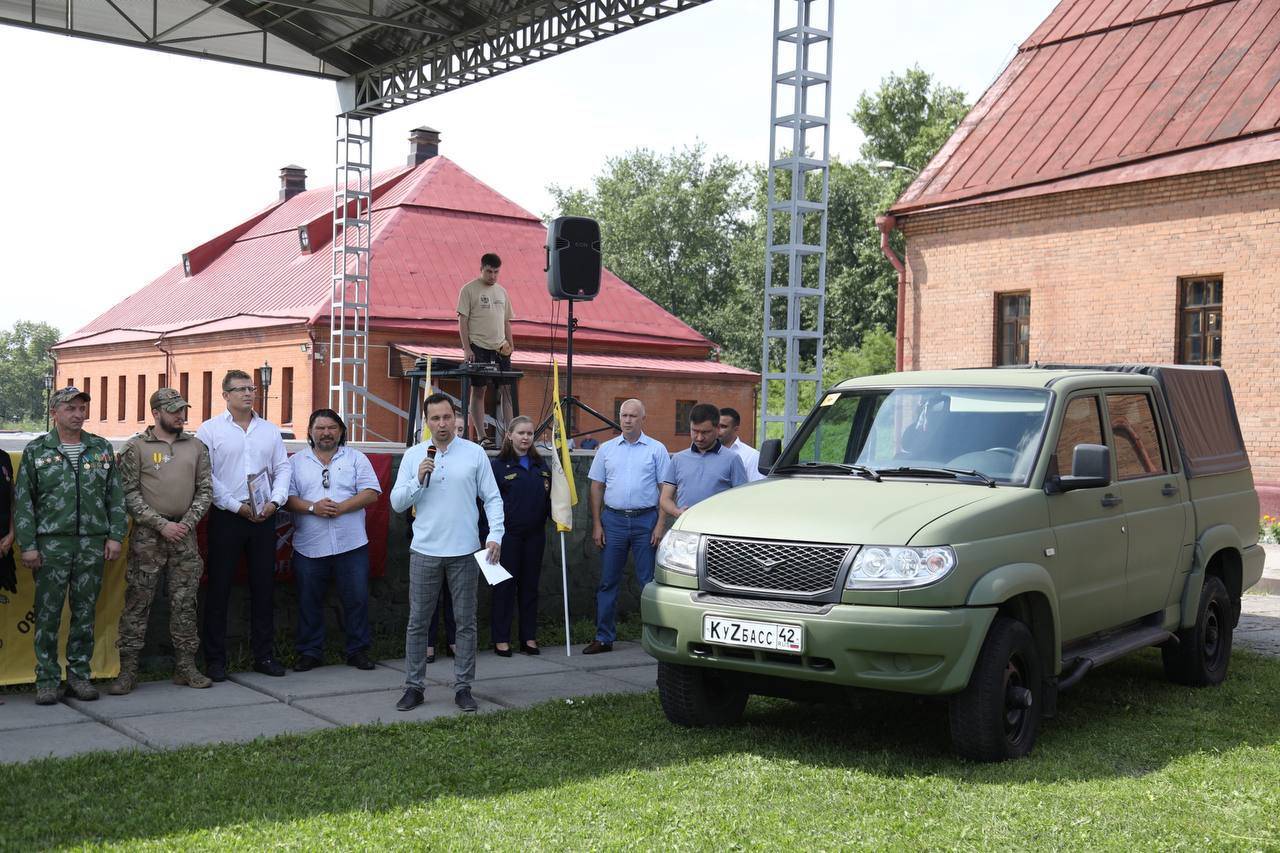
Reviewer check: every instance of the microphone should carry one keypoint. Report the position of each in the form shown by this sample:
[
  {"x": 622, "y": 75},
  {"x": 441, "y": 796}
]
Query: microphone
[{"x": 431, "y": 454}]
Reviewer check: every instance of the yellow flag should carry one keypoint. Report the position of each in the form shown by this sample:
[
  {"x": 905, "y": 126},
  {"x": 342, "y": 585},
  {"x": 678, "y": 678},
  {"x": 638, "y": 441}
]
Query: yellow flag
[
  {"x": 426, "y": 383},
  {"x": 564, "y": 495}
]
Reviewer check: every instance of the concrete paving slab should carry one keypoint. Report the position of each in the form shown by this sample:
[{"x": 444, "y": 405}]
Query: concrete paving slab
[
  {"x": 623, "y": 654},
  {"x": 438, "y": 673},
  {"x": 521, "y": 692},
  {"x": 489, "y": 665},
  {"x": 165, "y": 697},
  {"x": 1259, "y": 628},
  {"x": 20, "y": 711},
  {"x": 321, "y": 681},
  {"x": 639, "y": 676},
  {"x": 380, "y": 707},
  {"x": 219, "y": 725},
  {"x": 18, "y": 745}
]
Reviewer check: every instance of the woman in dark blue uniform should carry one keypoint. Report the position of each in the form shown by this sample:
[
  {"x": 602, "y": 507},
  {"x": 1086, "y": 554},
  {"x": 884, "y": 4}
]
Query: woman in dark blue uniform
[{"x": 524, "y": 480}]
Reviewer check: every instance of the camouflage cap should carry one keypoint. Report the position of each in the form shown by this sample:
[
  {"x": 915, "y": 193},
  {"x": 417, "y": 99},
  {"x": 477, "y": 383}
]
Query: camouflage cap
[
  {"x": 66, "y": 395},
  {"x": 168, "y": 399}
]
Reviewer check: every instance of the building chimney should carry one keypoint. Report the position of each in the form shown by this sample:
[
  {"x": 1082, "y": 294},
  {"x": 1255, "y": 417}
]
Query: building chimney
[
  {"x": 424, "y": 143},
  {"x": 293, "y": 180}
]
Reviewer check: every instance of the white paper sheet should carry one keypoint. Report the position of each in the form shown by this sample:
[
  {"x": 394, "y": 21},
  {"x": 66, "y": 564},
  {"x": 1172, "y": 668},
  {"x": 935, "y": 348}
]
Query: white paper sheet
[{"x": 493, "y": 572}]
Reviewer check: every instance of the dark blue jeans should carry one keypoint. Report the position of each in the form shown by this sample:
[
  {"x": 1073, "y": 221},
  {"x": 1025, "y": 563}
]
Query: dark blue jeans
[
  {"x": 621, "y": 535},
  {"x": 350, "y": 573}
]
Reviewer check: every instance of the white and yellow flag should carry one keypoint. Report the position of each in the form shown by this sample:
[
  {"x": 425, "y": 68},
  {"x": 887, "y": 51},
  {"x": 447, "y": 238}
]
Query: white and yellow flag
[{"x": 564, "y": 494}]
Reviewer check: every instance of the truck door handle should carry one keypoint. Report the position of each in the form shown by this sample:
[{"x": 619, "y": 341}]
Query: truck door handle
[
  {"x": 1112, "y": 500},
  {"x": 1169, "y": 490}
]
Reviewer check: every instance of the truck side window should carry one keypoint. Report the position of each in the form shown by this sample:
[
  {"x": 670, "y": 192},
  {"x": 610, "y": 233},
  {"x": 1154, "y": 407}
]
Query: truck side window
[
  {"x": 1081, "y": 424},
  {"x": 1137, "y": 440}
]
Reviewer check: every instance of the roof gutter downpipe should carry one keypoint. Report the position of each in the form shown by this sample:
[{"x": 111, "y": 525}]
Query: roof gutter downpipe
[{"x": 886, "y": 224}]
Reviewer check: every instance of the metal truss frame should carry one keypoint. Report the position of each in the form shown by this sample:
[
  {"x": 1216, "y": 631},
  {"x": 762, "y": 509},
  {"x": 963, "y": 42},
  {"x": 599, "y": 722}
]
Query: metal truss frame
[
  {"x": 529, "y": 33},
  {"x": 794, "y": 115},
  {"x": 349, "y": 303}
]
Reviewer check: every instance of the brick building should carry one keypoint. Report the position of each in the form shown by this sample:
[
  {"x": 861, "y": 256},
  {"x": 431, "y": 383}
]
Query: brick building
[
  {"x": 259, "y": 293},
  {"x": 1113, "y": 197}
]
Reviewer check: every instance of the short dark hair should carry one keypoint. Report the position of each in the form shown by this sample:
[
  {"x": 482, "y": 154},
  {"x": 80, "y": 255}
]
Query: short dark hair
[
  {"x": 331, "y": 415},
  {"x": 234, "y": 374},
  {"x": 704, "y": 413},
  {"x": 489, "y": 259},
  {"x": 727, "y": 412},
  {"x": 433, "y": 399}
]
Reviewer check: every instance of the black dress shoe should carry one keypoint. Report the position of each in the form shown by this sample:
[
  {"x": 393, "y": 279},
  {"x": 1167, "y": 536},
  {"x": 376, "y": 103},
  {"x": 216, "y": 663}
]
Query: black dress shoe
[
  {"x": 411, "y": 699},
  {"x": 595, "y": 647},
  {"x": 216, "y": 672},
  {"x": 304, "y": 663},
  {"x": 431, "y": 657},
  {"x": 269, "y": 666},
  {"x": 464, "y": 700},
  {"x": 450, "y": 650},
  {"x": 502, "y": 653},
  {"x": 360, "y": 660},
  {"x": 526, "y": 649}
]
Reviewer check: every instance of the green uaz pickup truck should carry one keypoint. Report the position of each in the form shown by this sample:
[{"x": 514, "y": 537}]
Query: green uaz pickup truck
[{"x": 985, "y": 535}]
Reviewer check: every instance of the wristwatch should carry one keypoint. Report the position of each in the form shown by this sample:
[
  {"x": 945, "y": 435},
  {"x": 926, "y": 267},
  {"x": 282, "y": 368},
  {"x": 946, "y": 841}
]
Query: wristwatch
[{"x": 312, "y": 509}]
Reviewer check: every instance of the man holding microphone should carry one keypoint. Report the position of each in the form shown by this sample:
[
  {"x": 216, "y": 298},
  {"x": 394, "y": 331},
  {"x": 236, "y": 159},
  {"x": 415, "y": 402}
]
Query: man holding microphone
[{"x": 442, "y": 479}]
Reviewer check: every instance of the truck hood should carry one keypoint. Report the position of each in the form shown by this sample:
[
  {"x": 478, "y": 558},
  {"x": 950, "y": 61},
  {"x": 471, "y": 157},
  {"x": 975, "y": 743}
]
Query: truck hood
[{"x": 821, "y": 509}]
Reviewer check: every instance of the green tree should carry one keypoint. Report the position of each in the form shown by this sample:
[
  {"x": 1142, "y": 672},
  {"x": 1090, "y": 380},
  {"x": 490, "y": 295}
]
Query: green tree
[
  {"x": 908, "y": 118},
  {"x": 24, "y": 362},
  {"x": 671, "y": 226}
]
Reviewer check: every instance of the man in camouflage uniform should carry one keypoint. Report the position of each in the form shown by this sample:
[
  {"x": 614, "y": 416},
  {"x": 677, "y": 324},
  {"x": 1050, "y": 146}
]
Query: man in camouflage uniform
[
  {"x": 167, "y": 484},
  {"x": 69, "y": 517}
]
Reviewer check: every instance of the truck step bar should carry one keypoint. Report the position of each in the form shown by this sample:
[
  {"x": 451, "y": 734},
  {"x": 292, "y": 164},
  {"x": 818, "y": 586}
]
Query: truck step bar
[{"x": 1107, "y": 648}]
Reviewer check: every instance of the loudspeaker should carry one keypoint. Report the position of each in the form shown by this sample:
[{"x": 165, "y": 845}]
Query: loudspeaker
[{"x": 573, "y": 258}]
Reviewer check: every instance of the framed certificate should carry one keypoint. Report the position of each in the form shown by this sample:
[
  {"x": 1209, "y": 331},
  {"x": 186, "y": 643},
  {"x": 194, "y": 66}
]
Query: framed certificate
[{"x": 259, "y": 492}]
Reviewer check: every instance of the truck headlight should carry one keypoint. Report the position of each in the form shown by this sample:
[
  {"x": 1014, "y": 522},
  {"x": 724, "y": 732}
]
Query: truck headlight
[
  {"x": 892, "y": 567},
  {"x": 678, "y": 552}
]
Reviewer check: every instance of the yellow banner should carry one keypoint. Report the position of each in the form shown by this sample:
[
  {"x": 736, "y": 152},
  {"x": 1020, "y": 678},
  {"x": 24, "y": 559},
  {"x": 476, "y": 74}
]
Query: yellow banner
[
  {"x": 17, "y": 621},
  {"x": 564, "y": 494}
]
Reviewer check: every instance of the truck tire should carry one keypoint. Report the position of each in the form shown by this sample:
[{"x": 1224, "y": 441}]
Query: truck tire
[
  {"x": 997, "y": 716},
  {"x": 696, "y": 697},
  {"x": 1203, "y": 652}
]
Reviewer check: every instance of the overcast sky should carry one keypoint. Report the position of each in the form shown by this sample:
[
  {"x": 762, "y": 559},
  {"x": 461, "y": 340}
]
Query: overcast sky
[{"x": 117, "y": 160}]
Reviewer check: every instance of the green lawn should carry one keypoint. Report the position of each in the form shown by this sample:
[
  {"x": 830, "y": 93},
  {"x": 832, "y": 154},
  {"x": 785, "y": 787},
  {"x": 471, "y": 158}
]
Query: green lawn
[{"x": 1130, "y": 763}]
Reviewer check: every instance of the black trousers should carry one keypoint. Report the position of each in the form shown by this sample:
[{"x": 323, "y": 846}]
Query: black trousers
[
  {"x": 522, "y": 556},
  {"x": 230, "y": 536}
]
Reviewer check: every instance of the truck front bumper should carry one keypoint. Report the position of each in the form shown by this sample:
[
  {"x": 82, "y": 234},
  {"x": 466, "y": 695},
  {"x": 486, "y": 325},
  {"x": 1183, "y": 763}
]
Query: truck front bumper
[{"x": 908, "y": 650}]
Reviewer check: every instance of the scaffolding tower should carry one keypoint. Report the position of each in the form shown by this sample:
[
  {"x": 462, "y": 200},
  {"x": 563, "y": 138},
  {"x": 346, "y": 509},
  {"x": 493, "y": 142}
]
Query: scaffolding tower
[
  {"x": 795, "y": 277},
  {"x": 349, "y": 303}
]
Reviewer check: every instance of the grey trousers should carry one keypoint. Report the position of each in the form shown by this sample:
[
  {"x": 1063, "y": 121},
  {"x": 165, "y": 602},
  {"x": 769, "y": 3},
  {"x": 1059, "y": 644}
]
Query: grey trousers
[{"x": 425, "y": 576}]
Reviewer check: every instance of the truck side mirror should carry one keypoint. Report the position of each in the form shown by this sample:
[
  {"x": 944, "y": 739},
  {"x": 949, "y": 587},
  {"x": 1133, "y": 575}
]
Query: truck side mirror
[
  {"x": 1090, "y": 468},
  {"x": 769, "y": 453}
]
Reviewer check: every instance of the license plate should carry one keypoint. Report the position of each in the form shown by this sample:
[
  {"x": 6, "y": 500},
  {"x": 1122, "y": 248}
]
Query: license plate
[{"x": 752, "y": 635}]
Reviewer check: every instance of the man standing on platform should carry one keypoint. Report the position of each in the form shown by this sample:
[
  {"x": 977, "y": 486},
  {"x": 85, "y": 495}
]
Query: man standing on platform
[
  {"x": 168, "y": 486},
  {"x": 69, "y": 519},
  {"x": 730, "y": 422},
  {"x": 704, "y": 469},
  {"x": 484, "y": 326},
  {"x": 442, "y": 478},
  {"x": 625, "y": 517},
  {"x": 242, "y": 446}
]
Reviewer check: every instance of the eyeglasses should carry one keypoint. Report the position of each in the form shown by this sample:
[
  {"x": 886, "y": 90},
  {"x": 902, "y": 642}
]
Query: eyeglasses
[
  {"x": 324, "y": 478},
  {"x": 242, "y": 389}
]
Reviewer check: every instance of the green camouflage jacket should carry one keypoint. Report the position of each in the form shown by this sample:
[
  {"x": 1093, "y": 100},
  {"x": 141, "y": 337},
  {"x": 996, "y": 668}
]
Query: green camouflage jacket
[
  {"x": 164, "y": 481},
  {"x": 54, "y": 498}
]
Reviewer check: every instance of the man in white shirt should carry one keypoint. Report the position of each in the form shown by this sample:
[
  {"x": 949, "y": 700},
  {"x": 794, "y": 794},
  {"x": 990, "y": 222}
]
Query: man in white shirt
[
  {"x": 242, "y": 445},
  {"x": 441, "y": 478},
  {"x": 730, "y": 422},
  {"x": 330, "y": 486}
]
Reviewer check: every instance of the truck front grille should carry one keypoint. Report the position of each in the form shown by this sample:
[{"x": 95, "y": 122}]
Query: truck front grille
[{"x": 753, "y": 565}]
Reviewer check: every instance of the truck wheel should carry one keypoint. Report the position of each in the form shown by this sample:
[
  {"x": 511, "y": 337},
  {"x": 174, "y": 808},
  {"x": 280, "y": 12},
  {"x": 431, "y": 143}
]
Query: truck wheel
[
  {"x": 697, "y": 697},
  {"x": 997, "y": 716},
  {"x": 1203, "y": 651}
]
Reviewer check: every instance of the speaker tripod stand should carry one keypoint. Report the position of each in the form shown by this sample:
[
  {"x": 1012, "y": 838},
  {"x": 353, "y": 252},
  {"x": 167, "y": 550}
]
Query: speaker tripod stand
[{"x": 569, "y": 401}]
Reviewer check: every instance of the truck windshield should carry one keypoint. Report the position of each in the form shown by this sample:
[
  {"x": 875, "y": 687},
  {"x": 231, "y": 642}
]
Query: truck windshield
[{"x": 925, "y": 432}]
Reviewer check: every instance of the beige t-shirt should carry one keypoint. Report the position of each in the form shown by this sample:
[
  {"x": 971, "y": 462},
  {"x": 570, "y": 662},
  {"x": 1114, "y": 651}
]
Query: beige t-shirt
[{"x": 487, "y": 309}]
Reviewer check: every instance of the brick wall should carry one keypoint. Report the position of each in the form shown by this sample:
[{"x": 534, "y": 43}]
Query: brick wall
[{"x": 1102, "y": 267}]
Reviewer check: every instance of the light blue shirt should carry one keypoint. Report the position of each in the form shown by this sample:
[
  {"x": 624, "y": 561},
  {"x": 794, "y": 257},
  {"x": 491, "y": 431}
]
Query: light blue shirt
[
  {"x": 630, "y": 471},
  {"x": 350, "y": 472},
  {"x": 697, "y": 475},
  {"x": 447, "y": 519}
]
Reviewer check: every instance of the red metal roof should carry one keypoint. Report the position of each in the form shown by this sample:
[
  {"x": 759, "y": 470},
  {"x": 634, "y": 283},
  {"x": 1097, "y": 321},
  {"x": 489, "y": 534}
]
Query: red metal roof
[
  {"x": 599, "y": 362},
  {"x": 431, "y": 224},
  {"x": 1104, "y": 84}
]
